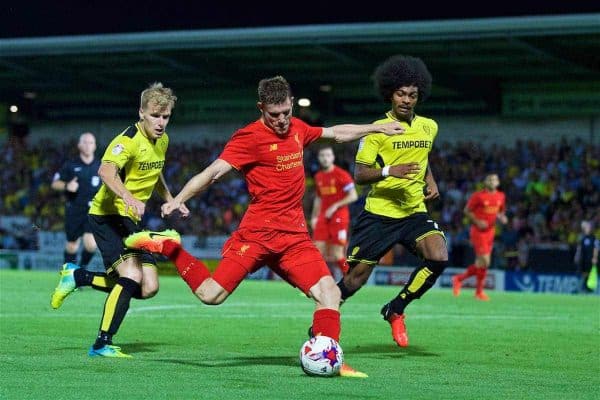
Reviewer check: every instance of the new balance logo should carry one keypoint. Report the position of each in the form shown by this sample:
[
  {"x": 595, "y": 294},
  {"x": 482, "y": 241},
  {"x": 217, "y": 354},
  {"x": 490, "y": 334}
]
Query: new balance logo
[{"x": 273, "y": 147}]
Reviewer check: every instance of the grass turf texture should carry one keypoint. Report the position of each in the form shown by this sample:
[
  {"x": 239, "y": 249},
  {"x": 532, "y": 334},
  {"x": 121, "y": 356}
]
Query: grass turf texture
[{"x": 517, "y": 346}]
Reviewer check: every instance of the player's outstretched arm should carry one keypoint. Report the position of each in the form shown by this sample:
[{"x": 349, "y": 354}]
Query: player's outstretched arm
[
  {"x": 197, "y": 184},
  {"x": 163, "y": 190},
  {"x": 349, "y": 132}
]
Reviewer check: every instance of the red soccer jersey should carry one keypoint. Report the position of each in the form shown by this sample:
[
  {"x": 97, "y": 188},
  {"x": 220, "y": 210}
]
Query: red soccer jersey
[
  {"x": 331, "y": 187},
  {"x": 274, "y": 170},
  {"x": 486, "y": 205}
]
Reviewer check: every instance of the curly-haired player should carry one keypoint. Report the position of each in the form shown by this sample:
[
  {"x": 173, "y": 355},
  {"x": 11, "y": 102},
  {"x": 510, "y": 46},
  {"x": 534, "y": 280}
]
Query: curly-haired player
[{"x": 395, "y": 211}]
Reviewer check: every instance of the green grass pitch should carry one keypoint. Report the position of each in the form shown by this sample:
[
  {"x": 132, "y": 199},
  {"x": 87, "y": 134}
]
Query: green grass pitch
[{"x": 518, "y": 346}]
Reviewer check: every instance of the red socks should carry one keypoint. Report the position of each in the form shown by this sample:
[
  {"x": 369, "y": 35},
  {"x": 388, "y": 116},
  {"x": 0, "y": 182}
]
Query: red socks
[
  {"x": 192, "y": 270},
  {"x": 471, "y": 270},
  {"x": 343, "y": 266},
  {"x": 481, "y": 274},
  {"x": 326, "y": 322}
]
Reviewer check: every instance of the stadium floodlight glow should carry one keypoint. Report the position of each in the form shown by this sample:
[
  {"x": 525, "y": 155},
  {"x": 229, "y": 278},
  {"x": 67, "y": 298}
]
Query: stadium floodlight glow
[
  {"x": 13, "y": 109},
  {"x": 304, "y": 102}
]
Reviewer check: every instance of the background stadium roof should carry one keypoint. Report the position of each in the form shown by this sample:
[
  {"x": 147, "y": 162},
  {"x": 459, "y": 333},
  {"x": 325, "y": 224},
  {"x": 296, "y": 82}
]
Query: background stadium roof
[{"x": 480, "y": 66}]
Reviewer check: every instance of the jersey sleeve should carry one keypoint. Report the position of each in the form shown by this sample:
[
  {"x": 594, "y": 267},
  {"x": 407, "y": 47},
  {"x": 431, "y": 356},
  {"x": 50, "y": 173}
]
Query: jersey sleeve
[
  {"x": 65, "y": 173},
  {"x": 368, "y": 150},
  {"x": 120, "y": 150},
  {"x": 346, "y": 181},
  {"x": 310, "y": 133},
  {"x": 237, "y": 151}
]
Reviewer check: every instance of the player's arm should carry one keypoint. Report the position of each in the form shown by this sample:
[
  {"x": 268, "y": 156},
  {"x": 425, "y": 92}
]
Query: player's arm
[
  {"x": 481, "y": 224},
  {"x": 109, "y": 173},
  {"x": 350, "y": 132},
  {"x": 365, "y": 174},
  {"x": 198, "y": 184},
  {"x": 501, "y": 216},
  {"x": 316, "y": 209},
  {"x": 431, "y": 188},
  {"x": 351, "y": 197},
  {"x": 163, "y": 191}
]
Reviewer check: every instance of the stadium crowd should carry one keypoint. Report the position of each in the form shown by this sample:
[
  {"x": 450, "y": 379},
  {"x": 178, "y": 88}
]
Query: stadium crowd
[{"x": 550, "y": 189}]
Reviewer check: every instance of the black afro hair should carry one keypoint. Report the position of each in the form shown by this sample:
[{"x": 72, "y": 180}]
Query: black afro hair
[{"x": 398, "y": 71}]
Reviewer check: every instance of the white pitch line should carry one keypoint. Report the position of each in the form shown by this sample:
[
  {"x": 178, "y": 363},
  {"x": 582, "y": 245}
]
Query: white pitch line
[{"x": 161, "y": 308}]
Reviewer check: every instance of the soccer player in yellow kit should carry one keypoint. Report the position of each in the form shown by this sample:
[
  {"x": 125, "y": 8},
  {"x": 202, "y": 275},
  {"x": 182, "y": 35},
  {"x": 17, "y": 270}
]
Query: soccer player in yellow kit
[
  {"x": 395, "y": 211},
  {"x": 131, "y": 169}
]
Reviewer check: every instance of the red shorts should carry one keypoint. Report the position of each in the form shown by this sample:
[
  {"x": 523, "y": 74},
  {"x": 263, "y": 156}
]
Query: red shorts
[
  {"x": 482, "y": 241},
  {"x": 293, "y": 256},
  {"x": 332, "y": 231}
]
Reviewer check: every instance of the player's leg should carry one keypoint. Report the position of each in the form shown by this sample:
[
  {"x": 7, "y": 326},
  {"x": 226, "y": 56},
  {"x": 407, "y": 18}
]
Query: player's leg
[
  {"x": 70, "y": 252},
  {"x": 231, "y": 270},
  {"x": 372, "y": 237},
  {"x": 128, "y": 285},
  {"x": 89, "y": 248},
  {"x": 338, "y": 243},
  {"x": 471, "y": 270},
  {"x": 482, "y": 262},
  {"x": 423, "y": 237},
  {"x": 303, "y": 267},
  {"x": 72, "y": 276},
  {"x": 338, "y": 253}
]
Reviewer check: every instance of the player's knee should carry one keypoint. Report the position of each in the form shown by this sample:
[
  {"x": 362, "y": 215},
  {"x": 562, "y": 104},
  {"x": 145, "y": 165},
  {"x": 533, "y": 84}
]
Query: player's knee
[
  {"x": 358, "y": 276},
  {"x": 326, "y": 293},
  {"x": 211, "y": 293},
  {"x": 436, "y": 266},
  {"x": 149, "y": 291},
  {"x": 71, "y": 247}
]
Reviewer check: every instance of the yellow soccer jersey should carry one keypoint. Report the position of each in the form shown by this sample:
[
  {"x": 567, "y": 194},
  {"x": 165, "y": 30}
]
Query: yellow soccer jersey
[
  {"x": 140, "y": 161},
  {"x": 394, "y": 197}
]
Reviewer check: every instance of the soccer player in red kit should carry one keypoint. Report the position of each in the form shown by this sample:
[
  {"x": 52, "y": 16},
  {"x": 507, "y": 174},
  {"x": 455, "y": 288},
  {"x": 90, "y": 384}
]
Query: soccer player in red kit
[
  {"x": 330, "y": 214},
  {"x": 273, "y": 232},
  {"x": 482, "y": 209}
]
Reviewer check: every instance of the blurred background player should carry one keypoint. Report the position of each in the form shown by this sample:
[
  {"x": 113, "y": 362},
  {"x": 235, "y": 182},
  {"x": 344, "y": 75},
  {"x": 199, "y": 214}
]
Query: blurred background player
[
  {"x": 130, "y": 171},
  {"x": 482, "y": 209},
  {"x": 78, "y": 179},
  {"x": 273, "y": 232},
  {"x": 395, "y": 212},
  {"x": 330, "y": 214},
  {"x": 586, "y": 256}
]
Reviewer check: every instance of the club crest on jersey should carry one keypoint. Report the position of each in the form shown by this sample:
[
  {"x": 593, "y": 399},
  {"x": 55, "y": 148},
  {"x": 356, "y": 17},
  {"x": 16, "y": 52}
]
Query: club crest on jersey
[
  {"x": 243, "y": 249},
  {"x": 118, "y": 149}
]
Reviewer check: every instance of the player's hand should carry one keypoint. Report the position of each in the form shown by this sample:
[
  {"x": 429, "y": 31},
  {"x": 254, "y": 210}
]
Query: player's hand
[
  {"x": 134, "y": 207},
  {"x": 167, "y": 208},
  {"x": 503, "y": 219},
  {"x": 481, "y": 224},
  {"x": 405, "y": 171},
  {"x": 330, "y": 211},
  {"x": 391, "y": 128},
  {"x": 72, "y": 185},
  {"x": 431, "y": 191},
  {"x": 183, "y": 211}
]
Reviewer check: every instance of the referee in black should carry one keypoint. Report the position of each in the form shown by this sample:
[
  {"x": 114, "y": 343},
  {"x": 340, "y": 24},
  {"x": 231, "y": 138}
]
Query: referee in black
[{"x": 78, "y": 179}]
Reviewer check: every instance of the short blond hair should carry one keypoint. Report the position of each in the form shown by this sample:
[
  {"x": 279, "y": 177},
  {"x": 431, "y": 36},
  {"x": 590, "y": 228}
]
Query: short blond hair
[{"x": 158, "y": 94}]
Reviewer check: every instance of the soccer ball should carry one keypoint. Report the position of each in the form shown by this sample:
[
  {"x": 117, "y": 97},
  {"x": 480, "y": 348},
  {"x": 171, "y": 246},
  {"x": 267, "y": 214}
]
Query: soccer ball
[{"x": 321, "y": 356}]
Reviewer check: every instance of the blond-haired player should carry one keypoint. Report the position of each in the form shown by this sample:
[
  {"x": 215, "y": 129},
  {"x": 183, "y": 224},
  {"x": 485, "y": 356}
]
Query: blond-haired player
[{"x": 131, "y": 169}]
